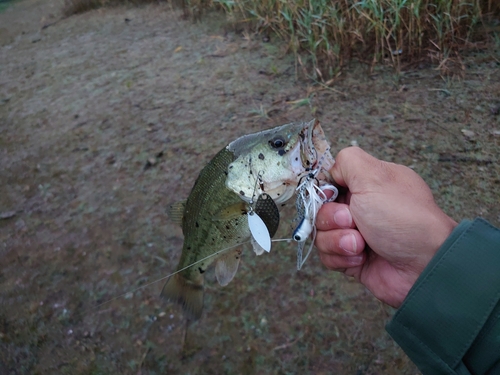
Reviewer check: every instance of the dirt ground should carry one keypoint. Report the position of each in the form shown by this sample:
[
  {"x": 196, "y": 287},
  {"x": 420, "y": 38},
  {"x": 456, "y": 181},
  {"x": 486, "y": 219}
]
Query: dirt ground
[{"x": 86, "y": 101}]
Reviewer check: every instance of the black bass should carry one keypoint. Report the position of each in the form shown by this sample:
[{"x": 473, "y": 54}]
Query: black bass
[{"x": 254, "y": 173}]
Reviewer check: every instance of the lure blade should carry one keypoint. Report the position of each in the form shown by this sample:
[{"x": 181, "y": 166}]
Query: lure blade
[
  {"x": 267, "y": 210},
  {"x": 259, "y": 231}
]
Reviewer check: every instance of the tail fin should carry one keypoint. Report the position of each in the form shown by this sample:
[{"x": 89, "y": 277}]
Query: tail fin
[{"x": 187, "y": 293}]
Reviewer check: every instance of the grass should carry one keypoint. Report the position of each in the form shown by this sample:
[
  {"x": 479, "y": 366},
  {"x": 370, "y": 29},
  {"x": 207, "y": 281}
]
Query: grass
[
  {"x": 325, "y": 35},
  {"x": 4, "y": 4}
]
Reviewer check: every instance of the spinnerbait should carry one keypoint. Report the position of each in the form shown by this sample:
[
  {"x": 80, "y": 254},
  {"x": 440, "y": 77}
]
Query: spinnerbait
[{"x": 310, "y": 198}]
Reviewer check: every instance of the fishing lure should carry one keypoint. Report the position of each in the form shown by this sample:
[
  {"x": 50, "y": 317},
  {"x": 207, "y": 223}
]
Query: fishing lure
[
  {"x": 310, "y": 198},
  {"x": 263, "y": 221}
]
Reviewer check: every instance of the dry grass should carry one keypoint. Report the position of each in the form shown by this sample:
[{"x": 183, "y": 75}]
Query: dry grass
[{"x": 324, "y": 35}]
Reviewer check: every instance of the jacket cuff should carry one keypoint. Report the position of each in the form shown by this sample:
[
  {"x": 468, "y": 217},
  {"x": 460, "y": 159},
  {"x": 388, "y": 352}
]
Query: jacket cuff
[{"x": 451, "y": 301}]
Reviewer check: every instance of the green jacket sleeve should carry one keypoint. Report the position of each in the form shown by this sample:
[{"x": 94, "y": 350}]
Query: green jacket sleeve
[{"x": 450, "y": 321}]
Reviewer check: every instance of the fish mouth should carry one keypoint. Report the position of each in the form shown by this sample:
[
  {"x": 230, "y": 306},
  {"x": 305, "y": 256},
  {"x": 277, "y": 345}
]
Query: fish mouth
[
  {"x": 315, "y": 149},
  {"x": 308, "y": 153}
]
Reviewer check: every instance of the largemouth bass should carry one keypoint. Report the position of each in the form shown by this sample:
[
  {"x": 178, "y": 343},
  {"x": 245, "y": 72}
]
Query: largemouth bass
[{"x": 255, "y": 173}]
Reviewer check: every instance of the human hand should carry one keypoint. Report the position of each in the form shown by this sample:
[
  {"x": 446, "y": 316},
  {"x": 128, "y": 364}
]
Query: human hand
[{"x": 387, "y": 229}]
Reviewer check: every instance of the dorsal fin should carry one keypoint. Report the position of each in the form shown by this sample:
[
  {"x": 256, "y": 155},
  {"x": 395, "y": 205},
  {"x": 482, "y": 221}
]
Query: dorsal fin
[{"x": 176, "y": 211}]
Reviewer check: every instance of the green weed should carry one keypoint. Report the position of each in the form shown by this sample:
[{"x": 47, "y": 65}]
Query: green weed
[
  {"x": 260, "y": 112},
  {"x": 5, "y": 4}
]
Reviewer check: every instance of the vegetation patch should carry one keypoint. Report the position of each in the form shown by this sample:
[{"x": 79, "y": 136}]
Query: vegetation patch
[
  {"x": 324, "y": 35},
  {"x": 327, "y": 34},
  {"x": 4, "y": 4}
]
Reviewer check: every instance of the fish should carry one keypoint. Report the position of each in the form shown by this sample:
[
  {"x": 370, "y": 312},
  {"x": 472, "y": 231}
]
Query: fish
[{"x": 255, "y": 174}]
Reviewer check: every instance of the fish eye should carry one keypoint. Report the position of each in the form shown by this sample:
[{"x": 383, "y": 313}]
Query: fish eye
[{"x": 277, "y": 142}]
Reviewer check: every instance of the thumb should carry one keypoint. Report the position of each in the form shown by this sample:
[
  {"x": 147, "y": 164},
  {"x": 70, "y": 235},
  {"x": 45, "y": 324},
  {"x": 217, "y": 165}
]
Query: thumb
[{"x": 353, "y": 166}]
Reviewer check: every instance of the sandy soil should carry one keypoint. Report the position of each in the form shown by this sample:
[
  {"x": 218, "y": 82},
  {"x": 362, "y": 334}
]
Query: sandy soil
[{"x": 86, "y": 101}]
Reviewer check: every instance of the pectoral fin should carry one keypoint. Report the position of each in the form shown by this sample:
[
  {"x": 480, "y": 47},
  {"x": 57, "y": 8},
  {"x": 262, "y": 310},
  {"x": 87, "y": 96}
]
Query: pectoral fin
[
  {"x": 176, "y": 211},
  {"x": 226, "y": 266},
  {"x": 258, "y": 250}
]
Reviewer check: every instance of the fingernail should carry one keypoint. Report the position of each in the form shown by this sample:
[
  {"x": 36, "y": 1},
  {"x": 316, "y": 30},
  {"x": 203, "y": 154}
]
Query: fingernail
[
  {"x": 343, "y": 218},
  {"x": 355, "y": 260},
  {"x": 348, "y": 243}
]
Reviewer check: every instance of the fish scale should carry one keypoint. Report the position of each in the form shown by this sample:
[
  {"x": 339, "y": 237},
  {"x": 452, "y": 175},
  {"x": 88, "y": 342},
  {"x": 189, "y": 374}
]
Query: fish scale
[
  {"x": 208, "y": 198},
  {"x": 204, "y": 235}
]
